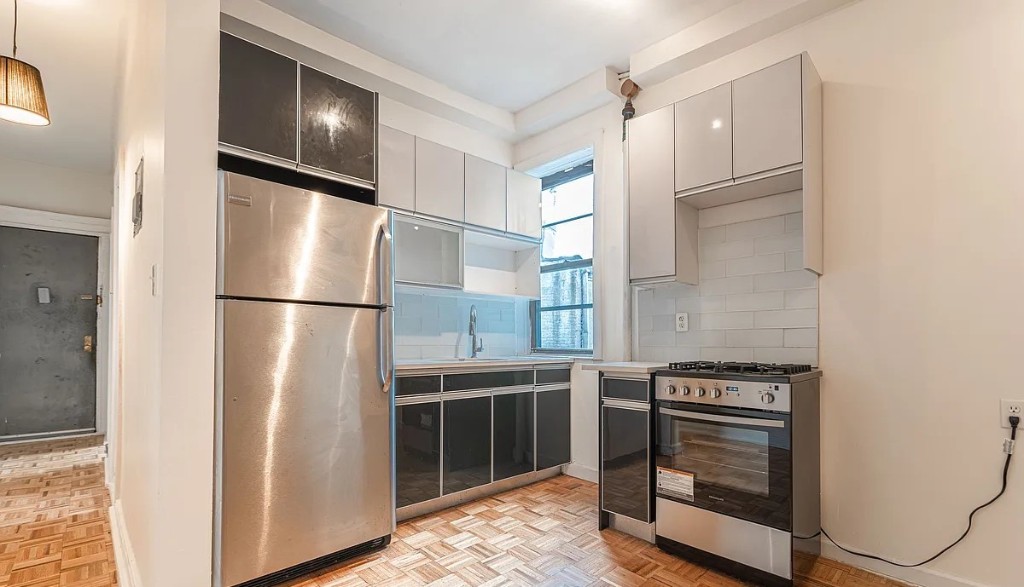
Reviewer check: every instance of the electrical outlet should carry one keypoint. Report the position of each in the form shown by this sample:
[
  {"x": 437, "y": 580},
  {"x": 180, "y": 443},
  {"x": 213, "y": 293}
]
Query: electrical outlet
[
  {"x": 1010, "y": 407},
  {"x": 682, "y": 322}
]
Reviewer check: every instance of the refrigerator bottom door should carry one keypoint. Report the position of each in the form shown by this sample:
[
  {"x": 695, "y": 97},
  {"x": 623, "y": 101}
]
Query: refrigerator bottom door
[{"x": 305, "y": 435}]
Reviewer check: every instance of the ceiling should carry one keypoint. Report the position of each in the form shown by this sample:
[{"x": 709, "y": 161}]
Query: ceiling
[
  {"x": 507, "y": 53},
  {"x": 75, "y": 44}
]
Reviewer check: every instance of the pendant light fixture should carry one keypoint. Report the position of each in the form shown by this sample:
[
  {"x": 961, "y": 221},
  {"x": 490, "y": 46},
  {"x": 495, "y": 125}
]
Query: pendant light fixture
[{"x": 21, "y": 88}]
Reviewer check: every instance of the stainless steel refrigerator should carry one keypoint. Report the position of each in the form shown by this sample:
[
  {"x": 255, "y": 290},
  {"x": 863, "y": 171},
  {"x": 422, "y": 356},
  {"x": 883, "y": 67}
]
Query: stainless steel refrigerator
[{"x": 304, "y": 375}]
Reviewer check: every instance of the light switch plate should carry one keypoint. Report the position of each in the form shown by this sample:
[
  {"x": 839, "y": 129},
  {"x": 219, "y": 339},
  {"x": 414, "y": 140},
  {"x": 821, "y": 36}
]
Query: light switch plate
[{"x": 682, "y": 322}]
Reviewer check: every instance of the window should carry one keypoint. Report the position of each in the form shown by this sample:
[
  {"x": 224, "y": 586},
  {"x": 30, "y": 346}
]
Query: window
[{"x": 563, "y": 318}]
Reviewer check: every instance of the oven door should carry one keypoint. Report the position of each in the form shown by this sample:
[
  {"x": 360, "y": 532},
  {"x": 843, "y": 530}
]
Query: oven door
[{"x": 729, "y": 461}]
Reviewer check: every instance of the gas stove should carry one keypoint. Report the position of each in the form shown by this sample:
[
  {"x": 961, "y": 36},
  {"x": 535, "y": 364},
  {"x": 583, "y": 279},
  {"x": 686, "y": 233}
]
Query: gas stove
[{"x": 760, "y": 386}]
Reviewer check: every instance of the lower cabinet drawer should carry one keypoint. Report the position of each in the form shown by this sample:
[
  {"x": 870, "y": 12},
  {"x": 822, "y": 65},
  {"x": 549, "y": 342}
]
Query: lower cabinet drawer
[
  {"x": 417, "y": 452},
  {"x": 553, "y": 428}
]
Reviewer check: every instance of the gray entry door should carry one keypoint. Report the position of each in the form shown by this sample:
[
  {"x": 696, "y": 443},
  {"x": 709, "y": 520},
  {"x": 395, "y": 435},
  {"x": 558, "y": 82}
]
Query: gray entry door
[{"x": 47, "y": 364}]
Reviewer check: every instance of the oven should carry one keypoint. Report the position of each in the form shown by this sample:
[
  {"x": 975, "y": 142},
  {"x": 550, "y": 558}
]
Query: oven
[{"x": 731, "y": 461}]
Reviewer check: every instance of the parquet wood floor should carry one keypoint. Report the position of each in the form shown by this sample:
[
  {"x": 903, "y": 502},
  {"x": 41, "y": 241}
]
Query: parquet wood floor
[
  {"x": 542, "y": 534},
  {"x": 54, "y": 526},
  {"x": 55, "y": 532}
]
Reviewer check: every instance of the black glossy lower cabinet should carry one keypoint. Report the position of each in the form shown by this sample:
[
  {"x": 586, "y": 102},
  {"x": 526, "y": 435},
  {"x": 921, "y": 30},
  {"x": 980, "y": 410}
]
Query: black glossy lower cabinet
[
  {"x": 553, "y": 428},
  {"x": 625, "y": 462},
  {"x": 467, "y": 443},
  {"x": 417, "y": 452},
  {"x": 513, "y": 434}
]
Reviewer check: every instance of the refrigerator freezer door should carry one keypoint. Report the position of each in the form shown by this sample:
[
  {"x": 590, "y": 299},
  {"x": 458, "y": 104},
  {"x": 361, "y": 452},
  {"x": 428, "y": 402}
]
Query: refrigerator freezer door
[
  {"x": 282, "y": 243},
  {"x": 305, "y": 459}
]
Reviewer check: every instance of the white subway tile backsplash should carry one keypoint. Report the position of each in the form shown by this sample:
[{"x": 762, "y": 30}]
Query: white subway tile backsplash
[
  {"x": 801, "y": 298},
  {"x": 783, "y": 243},
  {"x": 434, "y": 325},
  {"x": 752, "y": 229},
  {"x": 726, "y": 250},
  {"x": 794, "y": 260},
  {"x": 756, "y": 265},
  {"x": 712, "y": 269},
  {"x": 801, "y": 337},
  {"x": 786, "y": 319},
  {"x": 727, "y": 285},
  {"x": 711, "y": 236},
  {"x": 785, "y": 280},
  {"x": 794, "y": 221},
  {"x": 726, "y": 354},
  {"x": 787, "y": 355},
  {"x": 713, "y": 303},
  {"x": 727, "y": 320},
  {"x": 765, "y": 337},
  {"x": 770, "y": 300},
  {"x": 755, "y": 301}
]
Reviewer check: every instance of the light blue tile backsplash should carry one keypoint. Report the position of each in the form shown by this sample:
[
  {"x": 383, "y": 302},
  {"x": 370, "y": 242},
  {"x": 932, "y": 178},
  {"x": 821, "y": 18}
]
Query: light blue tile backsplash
[{"x": 435, "y": 325}]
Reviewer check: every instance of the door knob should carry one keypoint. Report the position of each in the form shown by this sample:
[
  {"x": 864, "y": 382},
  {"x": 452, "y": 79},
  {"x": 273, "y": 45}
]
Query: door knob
[{"x": 87, "y": 344}]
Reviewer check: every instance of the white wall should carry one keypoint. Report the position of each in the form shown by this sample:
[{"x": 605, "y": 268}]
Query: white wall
[
  {"x": 55, "y": 189},
  {"x": 163, "y": 496},
  {"x": 919, "y": 308}
]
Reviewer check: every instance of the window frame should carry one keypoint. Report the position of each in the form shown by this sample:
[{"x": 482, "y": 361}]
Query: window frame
[{"x": 554, "y": 180}]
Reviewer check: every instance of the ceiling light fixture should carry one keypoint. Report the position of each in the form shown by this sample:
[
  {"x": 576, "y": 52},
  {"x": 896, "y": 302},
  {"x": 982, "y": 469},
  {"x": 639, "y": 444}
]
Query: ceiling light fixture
[{"x": 21, "y": 88}]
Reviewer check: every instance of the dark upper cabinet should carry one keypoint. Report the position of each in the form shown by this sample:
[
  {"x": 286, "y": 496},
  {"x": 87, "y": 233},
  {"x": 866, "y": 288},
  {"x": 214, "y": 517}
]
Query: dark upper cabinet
[
  {"x": 467, "y": 443},
  {"x": 625, "y": 464},
  {"x": 258, "y": 105},
  {"x": 338, "y": 125},
  {"x": 417, "y": 452},
  {"x": 513, "y": 434},
  {"x": 553, "y": 428}
]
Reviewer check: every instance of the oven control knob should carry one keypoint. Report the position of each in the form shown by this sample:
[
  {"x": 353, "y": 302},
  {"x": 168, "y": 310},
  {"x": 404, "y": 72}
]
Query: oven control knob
[
  {"x": 670, "y": 389},
  {"x": 767, "y": 398},
  {"x": 715, "y": 392},
  {"x": 685, "y": 390},
  {"x": 699, "y": 392}
]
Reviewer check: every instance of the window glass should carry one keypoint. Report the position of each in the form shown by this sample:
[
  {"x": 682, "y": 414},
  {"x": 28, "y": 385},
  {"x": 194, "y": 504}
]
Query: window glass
[{"x": 563, "y": 318}]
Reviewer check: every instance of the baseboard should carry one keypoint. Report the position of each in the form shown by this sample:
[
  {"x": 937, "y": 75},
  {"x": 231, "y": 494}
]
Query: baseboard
[
  {"x": 127, "y": 570},
  {"x": 916, "y": 576},
  {"x": 581, "y": 472}
]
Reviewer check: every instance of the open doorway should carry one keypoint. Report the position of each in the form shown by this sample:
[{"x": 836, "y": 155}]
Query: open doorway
[{"x": 52, "y": 354}]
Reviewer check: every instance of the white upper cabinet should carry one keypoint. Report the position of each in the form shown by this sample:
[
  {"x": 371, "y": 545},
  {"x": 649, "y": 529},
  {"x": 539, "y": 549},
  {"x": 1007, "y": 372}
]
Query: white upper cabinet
[
  {"x": 703, "y": 139},
  {"x": 523, "y": 204},
  {"x": 767, "y": 117},
  {"x": 485, "y": 193},
  {"x": 396, "y": 169},
  {"x": 440, "y": 181},
  {"x": 652, "y": 229}
]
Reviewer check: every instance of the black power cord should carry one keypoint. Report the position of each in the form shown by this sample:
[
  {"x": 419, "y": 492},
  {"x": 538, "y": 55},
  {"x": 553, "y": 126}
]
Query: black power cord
[{"x": 1014, "y": 422}]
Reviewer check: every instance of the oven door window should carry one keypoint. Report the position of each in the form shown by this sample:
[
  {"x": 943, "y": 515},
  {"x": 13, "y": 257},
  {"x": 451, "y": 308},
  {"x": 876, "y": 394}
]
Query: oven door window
[{"x": 726, "y": 462}]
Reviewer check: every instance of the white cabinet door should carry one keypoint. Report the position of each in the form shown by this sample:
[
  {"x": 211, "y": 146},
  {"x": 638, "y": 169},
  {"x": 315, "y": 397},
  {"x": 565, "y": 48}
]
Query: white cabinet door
[
  {"x": 485, "y": 193},
  {"x": 396, "y": 173},
  {"x": 767, "y": 129},
  {"x": 652, "y": 230},
  {"x": 523, "y": 204},
  {"x": 704, "y": 138},
  {"x": 440, "y": 181}
]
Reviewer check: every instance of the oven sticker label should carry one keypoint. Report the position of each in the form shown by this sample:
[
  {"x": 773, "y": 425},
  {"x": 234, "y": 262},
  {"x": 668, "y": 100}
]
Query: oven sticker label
[{"x": 675, "y": 483}]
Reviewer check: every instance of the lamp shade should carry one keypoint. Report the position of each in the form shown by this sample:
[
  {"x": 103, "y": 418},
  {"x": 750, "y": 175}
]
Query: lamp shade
[{"x": 21, "y": 93}]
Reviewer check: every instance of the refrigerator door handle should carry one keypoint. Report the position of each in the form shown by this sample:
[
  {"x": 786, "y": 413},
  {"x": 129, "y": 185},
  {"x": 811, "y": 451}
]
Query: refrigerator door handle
[
  {"x": 385, "y": 265},
  {"x": 386, "y": 352}
]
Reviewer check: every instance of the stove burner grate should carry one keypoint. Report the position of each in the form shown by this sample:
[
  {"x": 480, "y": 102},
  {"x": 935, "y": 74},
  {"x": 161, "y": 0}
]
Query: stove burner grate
[{"x": 740, "y": 368}]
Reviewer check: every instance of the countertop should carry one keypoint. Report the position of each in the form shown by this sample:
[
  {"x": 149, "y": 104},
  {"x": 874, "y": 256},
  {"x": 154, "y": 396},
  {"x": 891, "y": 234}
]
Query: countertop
[
  {"x": 626, "y": 367},
  {"x": 470, "y": 364}
]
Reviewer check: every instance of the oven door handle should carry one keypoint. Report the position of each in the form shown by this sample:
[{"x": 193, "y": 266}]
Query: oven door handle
[{"x": 759, "y": 422}]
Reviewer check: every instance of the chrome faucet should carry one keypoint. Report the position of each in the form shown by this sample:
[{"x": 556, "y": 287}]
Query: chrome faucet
[{"x": 473, "y": 344}]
